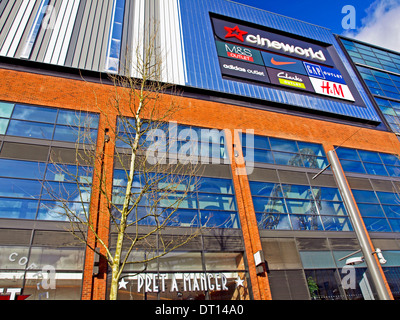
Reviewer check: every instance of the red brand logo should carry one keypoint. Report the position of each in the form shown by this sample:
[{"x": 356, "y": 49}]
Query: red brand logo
[
  {"x": 278, "y": 63},
  {"x": 235, "y": 32},
  {"x": 336, "y": 89}
]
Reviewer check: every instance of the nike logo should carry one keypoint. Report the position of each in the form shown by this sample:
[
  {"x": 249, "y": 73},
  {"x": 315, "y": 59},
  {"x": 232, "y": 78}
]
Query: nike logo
[{"x": 278, "y": 63}]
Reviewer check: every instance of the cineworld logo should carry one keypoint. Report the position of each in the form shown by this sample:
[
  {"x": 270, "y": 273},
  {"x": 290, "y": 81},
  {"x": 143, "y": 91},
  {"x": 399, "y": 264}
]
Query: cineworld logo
[{"x": 284, "y": 47}]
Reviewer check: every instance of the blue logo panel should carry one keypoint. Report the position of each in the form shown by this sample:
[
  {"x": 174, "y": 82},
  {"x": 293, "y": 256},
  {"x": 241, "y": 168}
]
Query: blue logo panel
[
  {"x": 324, "y": 73},
  {"x": 283, "y": 63}
]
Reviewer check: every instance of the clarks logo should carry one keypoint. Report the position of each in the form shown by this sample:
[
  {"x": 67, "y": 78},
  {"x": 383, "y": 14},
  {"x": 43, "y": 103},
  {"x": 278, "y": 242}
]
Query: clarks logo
[{"x": 259, "y": 41}]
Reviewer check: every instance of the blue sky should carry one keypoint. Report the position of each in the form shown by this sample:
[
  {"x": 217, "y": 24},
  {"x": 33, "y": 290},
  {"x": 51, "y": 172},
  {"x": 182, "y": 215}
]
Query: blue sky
[{"x": 377, "y": 21}]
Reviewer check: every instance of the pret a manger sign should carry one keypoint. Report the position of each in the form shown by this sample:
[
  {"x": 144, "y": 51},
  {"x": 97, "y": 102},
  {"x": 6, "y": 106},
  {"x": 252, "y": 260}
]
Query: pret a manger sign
[{"x": 270, "y": 41}]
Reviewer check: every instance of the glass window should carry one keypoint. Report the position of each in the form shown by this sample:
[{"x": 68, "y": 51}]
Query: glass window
[
  {"x": 21, "y": 169},
  {"x": 283, "y": 145},
  {"x": 71, "y": 134},
  {"x": 395, "y": 224},
  {"x": 69, "y": 173},
  {"x": 263, "y": 156},
  {"x": 370, "y": 210},
  {"x": 390, "y": 159},
  {"x": 30, "y": 129},
  {"x": 215, "y": 185},
  {"x": 216, "y": 202},
  {"x": 288, "y": 159},
  {"x": 388, "y": 198},
  {"x": 271, "y": 221},
  {"x": 115, "y": 36},
  {"x": 365, "y": 196},
  {"x": 6, "y": 109},
  {"x": 261, "y": 142},
  {"x": 331, "y": 208},
  {"x": 78, "y": 119},
  {"x": 181, "y": 261},
  {"x": 347, "y": 154},
  {"x": 369, "y": 156},
  {"x": 59, "y": 258},
  {"x": 18, "y": 188},
  {"x": 392, "y": 211},
  {"x": 306, "y": 222},
  {"x": 31, "y": 113},
  {"x": 60, "y": 211},
  {"x": 265, "y": 189},
  {"x": 269, "y": 205},
  {"x": 314, "y": 162},
  {"x": 219, "y": 219},
  {"x": 18, "y": 208},
  {"x": 377, "y": 225},
  {"x": 3, "y": 125},
  {"x": 375, "y": 169},
  {"x": 301, "y": 207},
  {"x": 336, "y": 223},
  {"x": 296, "y": 191},
  {"x": 352, "y": 166},
  {"x": 326, "y": 193}
]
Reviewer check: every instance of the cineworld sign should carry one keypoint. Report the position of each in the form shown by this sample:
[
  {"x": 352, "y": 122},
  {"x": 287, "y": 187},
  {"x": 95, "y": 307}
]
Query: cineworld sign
[
  {"x": 244, "y": 35},
  {"x": 254, "y": 55}
]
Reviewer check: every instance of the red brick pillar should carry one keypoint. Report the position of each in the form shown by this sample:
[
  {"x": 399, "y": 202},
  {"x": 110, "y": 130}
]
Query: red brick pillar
[
  {"x": 248, "y": 221},
  {"x": 94, "y": 286}
]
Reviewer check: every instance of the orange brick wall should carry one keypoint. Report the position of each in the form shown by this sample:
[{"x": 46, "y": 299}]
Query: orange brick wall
[{"x": 78, "y": 94}]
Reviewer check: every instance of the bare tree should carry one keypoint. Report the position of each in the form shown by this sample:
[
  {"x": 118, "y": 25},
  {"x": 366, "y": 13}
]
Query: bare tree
[{"x": 152, "y": 187}]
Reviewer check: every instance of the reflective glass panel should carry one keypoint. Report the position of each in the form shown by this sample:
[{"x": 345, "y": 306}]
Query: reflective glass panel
[
  {"x": 370, "y": 210},
  {"x": 352, "y": 166},
  {"x": 375, "y": 169},
  {"x": 369, "y": 156},
  {"x": 23, "y": 112},
  {"x": 377, "y": 225},
  {"x": 365, "y": 196},
  {"x": 273, "y": 221},
  {"x": 336, "y": 223},
  {"x": 18, "y": 188},
  {"x": 283, "y": 145},
  {"x": 306, "y": 222},
  {"x": 265, "y": 189},
  {"x": 6, "y": 109},
  {"x": 3, "y": 125},
  {"x": 18, "y": 208},
  {"x": 30, "y": 129},
  {"x": 21, "y": 169}
]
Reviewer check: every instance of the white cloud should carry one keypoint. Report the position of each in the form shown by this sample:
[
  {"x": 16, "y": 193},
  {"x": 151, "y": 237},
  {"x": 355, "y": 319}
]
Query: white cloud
[{"x": 381, "y": 26}]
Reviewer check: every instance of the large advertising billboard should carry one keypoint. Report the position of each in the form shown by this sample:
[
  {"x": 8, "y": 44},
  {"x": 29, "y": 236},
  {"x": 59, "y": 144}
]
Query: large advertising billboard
[{"x": 247, "y": 53}]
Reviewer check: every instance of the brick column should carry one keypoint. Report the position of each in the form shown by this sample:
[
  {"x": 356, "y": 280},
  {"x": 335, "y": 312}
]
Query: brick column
[
  {"x": 94, "y": 286},
  {"x": 248, "y": 221}
]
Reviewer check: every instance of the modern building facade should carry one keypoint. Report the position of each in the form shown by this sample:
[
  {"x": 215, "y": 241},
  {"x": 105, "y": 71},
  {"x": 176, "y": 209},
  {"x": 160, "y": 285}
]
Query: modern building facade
[{"x": 280, "y": 93}]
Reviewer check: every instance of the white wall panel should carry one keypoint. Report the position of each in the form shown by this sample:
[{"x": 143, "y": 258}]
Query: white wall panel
[
  {"x": 17, "y": 27},
  {"x": 51, "y": 48},
  {"x": 171, "y": 42},
  {"x": 67, "y": 28},
  {"x": 138, "y": 36},
  {"x": 22, "y": 25}
]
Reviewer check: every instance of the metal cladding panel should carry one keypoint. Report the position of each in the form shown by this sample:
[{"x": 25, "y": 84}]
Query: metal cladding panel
[
  {"x": 203, "y": 69},
  {"x": 109, "y": 35}
]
